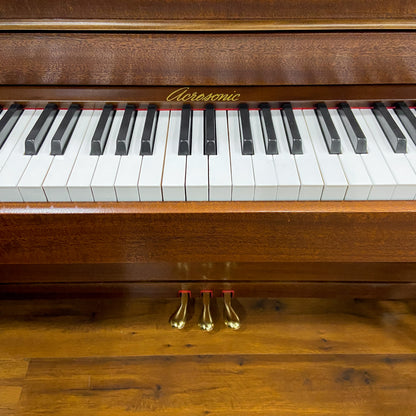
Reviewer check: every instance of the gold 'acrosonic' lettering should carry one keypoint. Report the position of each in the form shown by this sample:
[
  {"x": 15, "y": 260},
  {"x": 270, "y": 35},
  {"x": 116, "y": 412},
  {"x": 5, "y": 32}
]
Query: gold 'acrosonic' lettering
[{"x": 183, "y": 94}]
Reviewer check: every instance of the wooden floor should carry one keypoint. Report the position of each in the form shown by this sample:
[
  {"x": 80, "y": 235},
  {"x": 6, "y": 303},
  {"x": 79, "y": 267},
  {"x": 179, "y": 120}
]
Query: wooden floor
[{"x": 292, "y": 357}]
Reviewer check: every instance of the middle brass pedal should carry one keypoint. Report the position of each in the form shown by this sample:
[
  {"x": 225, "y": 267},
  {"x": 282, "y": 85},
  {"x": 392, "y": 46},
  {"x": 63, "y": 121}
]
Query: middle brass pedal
[{"x": 205, "y": 321}]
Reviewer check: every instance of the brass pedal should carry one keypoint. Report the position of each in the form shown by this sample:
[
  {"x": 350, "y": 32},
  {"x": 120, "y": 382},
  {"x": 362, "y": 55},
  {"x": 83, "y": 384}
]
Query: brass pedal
[
  {"x": 205, "y": 322},
  {"x": 178, "y": 319},
  {"x": 231, "y": 318}
]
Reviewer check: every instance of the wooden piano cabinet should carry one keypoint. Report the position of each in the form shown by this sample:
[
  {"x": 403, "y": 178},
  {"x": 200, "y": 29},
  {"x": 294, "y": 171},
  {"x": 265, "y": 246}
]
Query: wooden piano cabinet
[
  {"x": 318, "y": 249},
  {"x": 268, "y": 50}
]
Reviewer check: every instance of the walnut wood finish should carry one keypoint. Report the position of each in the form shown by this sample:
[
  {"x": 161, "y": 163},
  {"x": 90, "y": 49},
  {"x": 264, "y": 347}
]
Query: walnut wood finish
[
  {"x": 214, "y": 273},
  {"x": 257, "y": 289},
  {"x": 362, "y": 280},
  {"x": 208, "y": 232},
  {"x": 301, "y": 96},
  {"x": 208, "y": 59},
  {"x": 172, "y": 246},
  {"x": 287, "y": 249},
  {"x": 147, "y": 10},
  {"x": 199, "y": 25}
]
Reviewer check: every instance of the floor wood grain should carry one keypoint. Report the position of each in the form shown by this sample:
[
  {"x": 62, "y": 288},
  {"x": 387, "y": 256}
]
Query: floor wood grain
[{"x": 106, "y": 357}]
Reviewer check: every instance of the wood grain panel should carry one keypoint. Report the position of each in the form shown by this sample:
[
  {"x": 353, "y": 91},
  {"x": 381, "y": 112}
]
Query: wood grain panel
[
  {"x": 200, "y": 9},
  {"x": 300, "y": 96},
  {"x": 208, "y": 232},
  {"x": 208, "y": 272},
  {"x": 208, "y": 59},
  {"x": 161, "y": 289},
  {"x": 204, "y": 25}
]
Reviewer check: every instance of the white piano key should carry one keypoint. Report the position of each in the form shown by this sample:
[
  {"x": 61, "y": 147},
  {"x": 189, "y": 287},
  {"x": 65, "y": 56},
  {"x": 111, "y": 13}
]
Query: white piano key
[
  {"x": 30, "y": 184},
  {"x": 15, "y": 165},
  {"x": 263, "y": 165},
  {"x": 79, "y": 182},
  {"x": 241, "y": 165},
  {"x": 381, "y": 177},
  {"x": 399, "y": 166},
  {"x": 103, "y": 180},
  {"x": 127, "y": 180},
  {"x": 197, "y": 163},
  {"x": 220, "y": 182},
  {"x": 3, "y": 112},
  {"x": 173, "y": 182},
  {"x": 359, "y": 181},
  {"x": 151, "y": 173},
  {"x": 310, "y": 177},
  {"x": 335, "y": 183},
  {"x": 284, "y": 163},
  {"x": 57, "y": 177},
  {"x": 411, "y": 147},
  {"x": 15, "y": 135}
]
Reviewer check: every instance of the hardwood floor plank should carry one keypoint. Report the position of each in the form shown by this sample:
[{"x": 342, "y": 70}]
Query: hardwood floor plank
[
  {"x": 12, "y": 374},
  {"x": 9, "y": 398},
  {"x": 284, "y": 384},
  {"x": 111, "y": 328}
]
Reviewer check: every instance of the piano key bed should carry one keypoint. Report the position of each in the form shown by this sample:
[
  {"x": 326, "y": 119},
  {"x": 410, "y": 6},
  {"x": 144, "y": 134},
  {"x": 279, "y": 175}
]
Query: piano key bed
[{"x": 238, "y": 154}]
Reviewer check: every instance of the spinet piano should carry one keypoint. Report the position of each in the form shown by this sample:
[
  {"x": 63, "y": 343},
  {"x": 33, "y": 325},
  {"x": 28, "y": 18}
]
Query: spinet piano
[{"x": 292, "y": 223}]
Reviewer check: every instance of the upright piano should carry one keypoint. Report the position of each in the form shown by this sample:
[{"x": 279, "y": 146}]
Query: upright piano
[{"x": 245, "y": 147}]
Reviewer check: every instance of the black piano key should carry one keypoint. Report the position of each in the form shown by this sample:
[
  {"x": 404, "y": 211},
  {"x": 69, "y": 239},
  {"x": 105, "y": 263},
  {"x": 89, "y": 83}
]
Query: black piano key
[
  {"x": 39, "y": 131},
  {"x": 332, "y": 139},
  {"x": 210, "y": 132},
  {"x": 356, "y": 135},
  {"x": 407, "y": 118},
  {"x": 99, "y": 139},
  {"x": 292, "y": 131},
  {"x": 61, "y": 137},
  {"x": 247, "y": 147},
  {"x": 390, "y": 128},
  {"x": 149, "y": 130},
  {"x": 126, "y": 130},
  {"x": 269, "y": 134},
  {"x": 185, "y": 134},
  {"x": 8, "y": 121}
]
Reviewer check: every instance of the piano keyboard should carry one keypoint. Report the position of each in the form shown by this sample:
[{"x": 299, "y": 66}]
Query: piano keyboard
[{"x": 209, "y": 154}]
